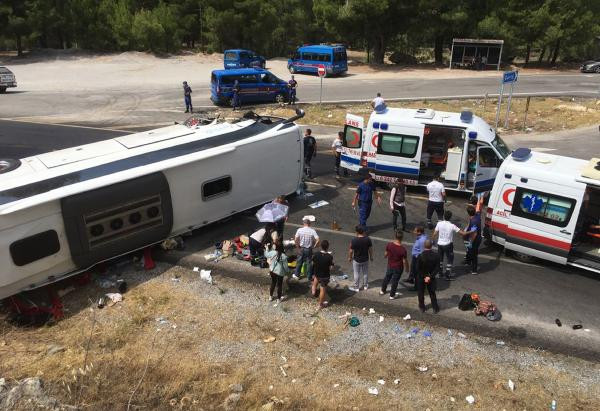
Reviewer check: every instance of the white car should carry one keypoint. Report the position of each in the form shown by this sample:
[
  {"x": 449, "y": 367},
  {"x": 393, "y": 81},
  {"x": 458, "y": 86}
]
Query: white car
[{"x": 7, "y": 79}]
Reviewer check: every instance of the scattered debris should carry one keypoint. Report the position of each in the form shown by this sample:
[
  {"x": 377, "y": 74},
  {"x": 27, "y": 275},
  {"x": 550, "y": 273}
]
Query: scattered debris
[
  {"x": 470, "y": 399},
  {"x": 293, "y": 382},
  {"x": 336, "y": 385},
  {"x": 318, "y": 204},
  {"x": 196, "y": 269},
  {"x": 499, "y": 342},
  {"x": 381, "y": 382},
  {"x": 587, "y": 330},
  {"x": 422, "y": 368},
  {"x": 236, "y": 387},
  {"x": 407, "y": 317},
  {"x": 53, "y": 349},
  {"x": 557, "y": 321},
  {"x": 231, "y": 401},
  {"x": 371, "y": 311},
  {"x": 114, "y": 298},
  {"x": 313, "y": 322},
  {"x": 319, "y": 359},
  {"x": 283, "y": 371},
  {"x": 269, "y": 339},
  {"x": 461, "y": 335},
  {"x": 450, "y": 333},
  {"x": 415, "y": 331},
  {"x": 409, "y": 336},
  {"x": 175, "y": 280},
  {"x": 381, "y": 318},
  {"x": 397, "y": 381},
  {"x": 511, "y": 385},
  {"x": 373, "y": 391},
  {"x": 205, "y": 276},
  {"x": 354, "y": 322},
  {"x": 452, "y": 399},
  {"x": 427, "y": 334},
  {"x": 577, "y": 327},
  {"x": 284, "y": 358},
  {"x": 434, "y": 376}
]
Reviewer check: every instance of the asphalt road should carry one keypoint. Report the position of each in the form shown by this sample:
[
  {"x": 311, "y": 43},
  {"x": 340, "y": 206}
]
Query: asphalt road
[
  {"x": 531, "y": 296},
  {"x": 118, "y": 107}
]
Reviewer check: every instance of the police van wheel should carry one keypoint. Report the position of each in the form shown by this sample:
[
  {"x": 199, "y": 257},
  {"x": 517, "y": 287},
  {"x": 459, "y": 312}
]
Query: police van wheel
[
  {"x": 280, "y": 99},
  {"x": 292, "y": 69},
  {"x": 2, "y": 89},
  {"x": 524, "y": 258}
]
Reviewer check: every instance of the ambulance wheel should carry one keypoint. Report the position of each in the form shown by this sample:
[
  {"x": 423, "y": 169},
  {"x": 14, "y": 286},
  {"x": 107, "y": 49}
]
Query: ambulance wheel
[
  {"x": 292, "y": 69},
  {"x": 524, "y": 258}
]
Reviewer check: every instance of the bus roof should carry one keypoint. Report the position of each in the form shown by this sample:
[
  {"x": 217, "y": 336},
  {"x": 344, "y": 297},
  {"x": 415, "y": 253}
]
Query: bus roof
[
  {"x": 238, "y": 72},
  {"x": 320, "y": 47}
]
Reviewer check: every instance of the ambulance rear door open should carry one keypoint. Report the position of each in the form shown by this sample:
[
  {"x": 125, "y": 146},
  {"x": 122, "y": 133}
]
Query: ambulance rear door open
[
  {"x": 398, "y": 149},
  {"x": 352, "y": 142},
  {"x": 543, "y": 219}
]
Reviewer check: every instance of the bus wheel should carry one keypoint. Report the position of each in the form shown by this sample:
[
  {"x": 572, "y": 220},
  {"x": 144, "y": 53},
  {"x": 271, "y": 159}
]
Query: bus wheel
[
  {"x": 524, "y": 258},
  {"x": 292, "y": 69}
]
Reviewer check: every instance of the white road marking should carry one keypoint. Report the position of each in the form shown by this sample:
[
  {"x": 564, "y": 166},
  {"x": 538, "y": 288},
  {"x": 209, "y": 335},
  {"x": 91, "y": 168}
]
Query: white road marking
[
  {"x": 387, "y": 240},
  {"x": 312, "y": 183}
]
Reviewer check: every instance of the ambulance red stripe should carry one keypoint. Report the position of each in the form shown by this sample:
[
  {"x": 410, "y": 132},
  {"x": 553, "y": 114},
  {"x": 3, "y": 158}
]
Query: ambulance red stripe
[{"x": 531, "y": 237}]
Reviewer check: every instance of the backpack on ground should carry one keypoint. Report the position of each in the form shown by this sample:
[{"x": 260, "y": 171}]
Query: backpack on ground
[
  {"x": 485, "y": 307},
  {"x": 466, "y": 303}
]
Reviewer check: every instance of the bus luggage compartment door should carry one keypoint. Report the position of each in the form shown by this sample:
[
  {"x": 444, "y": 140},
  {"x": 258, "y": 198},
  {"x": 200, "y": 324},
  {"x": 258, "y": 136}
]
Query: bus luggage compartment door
[{"x": 116, "y": 219}]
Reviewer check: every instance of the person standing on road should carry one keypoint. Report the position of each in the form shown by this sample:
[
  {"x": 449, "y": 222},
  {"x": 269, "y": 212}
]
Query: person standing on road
[
  {"x": 336, "y": 147},
  {"x": 437, "y": 198},
  {"x": 306, "y": 239},
  {"x": 310, "y": 151},
  {"x": 278, "y": 269},
  {"x": 428, "y": 265},
  {"x": 397, "y": 205},
  {"x": 417, "y": 249},
  {"x": 474, "y": 238},
  {"x": 187, "y": 97},
  {"x": 361, "y": 251},
  {"x": 292, "y": 85},
  {"x": 322, "y": 263},
  {"x": 364, "y": 198},
  {"x": 397, "y": 262},
  {"x": 378, "y": 104},
  {"x": 444, "y": 234},
  {"x": 236, "y": 100},
  {"x": 280, "y": 224}
]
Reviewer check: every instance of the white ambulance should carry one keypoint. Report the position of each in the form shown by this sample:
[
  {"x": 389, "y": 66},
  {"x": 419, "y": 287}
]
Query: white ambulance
[
  {"x": 416, "y": 144},
  {"x": 547, "y": 206}
]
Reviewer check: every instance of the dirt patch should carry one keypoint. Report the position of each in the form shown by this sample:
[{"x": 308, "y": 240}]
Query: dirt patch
[{"x": 185, "y": 344}]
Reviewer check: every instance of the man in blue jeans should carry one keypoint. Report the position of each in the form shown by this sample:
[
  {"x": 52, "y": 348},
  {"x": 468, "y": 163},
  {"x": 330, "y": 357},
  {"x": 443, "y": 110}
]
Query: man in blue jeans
[
  {"x": 417, "y": 249},
  {"x": 364, "y": 198},
  {"x": 306, "y": 239},
  {"x": 397, "y": 262}
]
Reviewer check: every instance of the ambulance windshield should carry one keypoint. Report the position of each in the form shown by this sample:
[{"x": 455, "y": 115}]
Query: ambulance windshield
[{"x": 501, "y": 146}]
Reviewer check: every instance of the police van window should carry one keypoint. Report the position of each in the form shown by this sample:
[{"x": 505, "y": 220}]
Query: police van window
[
  {"x": 488, "y": 158},
  {"x": 397, "y": 145},
  {"x": 216, "y": 187},
  {"x": 352, "y": 137},
  {"x": 243, "y": 55},
  {"x": 545, "y": 208},
  {"x": 267, "y": 78},
  {"x": 230, "y": 55},
  {"x": 308, "y": 56},
  {"x": 246, "y": 78}
]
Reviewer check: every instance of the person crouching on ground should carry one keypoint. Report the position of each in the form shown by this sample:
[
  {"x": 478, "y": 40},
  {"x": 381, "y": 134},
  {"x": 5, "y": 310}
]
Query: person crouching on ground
[
  {"x": 259, "y": 238},
  {"x": 278, "y": 269},
  {"x": 397, "y": 261},
  {"x": 322, "y": 263},
  {"x": 361, "y": 251},
  {"x": 428, "y": 265}
]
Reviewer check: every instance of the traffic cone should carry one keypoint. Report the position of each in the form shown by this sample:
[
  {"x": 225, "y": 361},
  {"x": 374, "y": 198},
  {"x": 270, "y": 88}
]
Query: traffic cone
[{"x": 149, "y": 263}]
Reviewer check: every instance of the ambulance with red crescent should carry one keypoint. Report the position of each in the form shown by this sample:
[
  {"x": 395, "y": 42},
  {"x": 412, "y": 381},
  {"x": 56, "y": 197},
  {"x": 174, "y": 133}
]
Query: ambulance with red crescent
[
  {"x": 547, "y": 206},
  {"x": 414, "y": 145}
]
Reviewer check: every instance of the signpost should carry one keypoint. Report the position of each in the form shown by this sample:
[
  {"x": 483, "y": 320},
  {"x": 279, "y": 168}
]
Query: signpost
[
  {"x": 508, "y": 77},
  {"x": 321, "y": 72}
]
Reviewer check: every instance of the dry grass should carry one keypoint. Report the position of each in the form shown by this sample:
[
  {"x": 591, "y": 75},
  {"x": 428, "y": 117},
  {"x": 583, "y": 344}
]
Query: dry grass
[
  {"x": 212, "y": 341},
  {"x": 545, "y": 114}
]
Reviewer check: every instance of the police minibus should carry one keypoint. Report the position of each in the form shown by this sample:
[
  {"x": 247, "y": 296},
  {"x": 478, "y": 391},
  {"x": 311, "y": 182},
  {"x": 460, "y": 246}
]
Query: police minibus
[
  {"x": 307, "y": 59},
  {"x": 414, "y": 145},
  {"x": 256, "y": 85},
  {"x": 547, "y": 206},
  {"x": 239, "y": 58}
]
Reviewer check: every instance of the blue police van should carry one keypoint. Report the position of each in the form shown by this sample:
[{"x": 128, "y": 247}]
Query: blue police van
[
  {"x": 239, "y": 58},
  {"x": 306, "y": 59},
  {"x": 256, "y": 85}
]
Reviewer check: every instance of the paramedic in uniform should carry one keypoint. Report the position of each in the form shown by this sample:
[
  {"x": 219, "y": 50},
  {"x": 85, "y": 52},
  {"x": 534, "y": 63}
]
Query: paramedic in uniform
[
  {"x": 437, "y": 198},
  {"x": 364, "y": 198}
]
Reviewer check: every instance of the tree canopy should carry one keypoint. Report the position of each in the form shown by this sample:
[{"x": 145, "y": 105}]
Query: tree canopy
[{"x": 555, "y": 29}]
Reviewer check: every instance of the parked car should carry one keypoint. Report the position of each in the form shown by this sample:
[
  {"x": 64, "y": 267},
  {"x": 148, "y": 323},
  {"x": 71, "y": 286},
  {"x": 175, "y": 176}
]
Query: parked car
[
  {"x": 257, "y": 85},
  {"x": 239, "y": 58},
  {"x": 7, "y": 79},
  {"x": 591, "y": 66},
  {"x": 307, "y": 59}
]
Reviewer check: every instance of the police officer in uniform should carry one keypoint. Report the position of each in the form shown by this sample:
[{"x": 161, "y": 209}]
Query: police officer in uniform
[
  {"x": 364, "y": 198},
  {"x": 187, "y": 97},
  {"x": 236, "y": 95},
  {"x": 310, "y": 151},
  {"x": 292, "y": 84}
]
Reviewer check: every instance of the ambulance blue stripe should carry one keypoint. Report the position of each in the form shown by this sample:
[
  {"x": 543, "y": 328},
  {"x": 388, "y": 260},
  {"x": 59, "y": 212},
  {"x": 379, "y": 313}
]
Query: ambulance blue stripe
[
  {"x": 350, "y": 160},
  {"x": 395, "y": 169}
]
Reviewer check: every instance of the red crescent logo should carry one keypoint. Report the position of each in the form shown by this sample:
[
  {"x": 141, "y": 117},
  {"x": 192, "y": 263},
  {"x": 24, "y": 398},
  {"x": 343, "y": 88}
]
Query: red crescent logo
[
  {"x": 506, "y": 195},
  {"x": 374, "y": 140},
  {"x": 356, "y": 138}
]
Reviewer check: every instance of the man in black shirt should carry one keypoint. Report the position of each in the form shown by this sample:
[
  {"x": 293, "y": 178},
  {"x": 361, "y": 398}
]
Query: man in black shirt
[
  {"x": 236, "y": 100},
  {"x": 310, "y": 151},
  {"x": 361, "y": 251},
  {"x": 428, "y": 264},
  {"x": 187, "y": 97},
  {"x": 322, "y": 263}
]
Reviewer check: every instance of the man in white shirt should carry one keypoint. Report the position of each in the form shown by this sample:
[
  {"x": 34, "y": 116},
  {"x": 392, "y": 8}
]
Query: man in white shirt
[
  {"x": 336, "y": 147},
  {"x": 437, "y": 198},
  {"x": 378, "y": 104},
  {"x": 444, "y": 233},
  {"x": 397, "y": 205},
  {"x": 306, "y": 239}
]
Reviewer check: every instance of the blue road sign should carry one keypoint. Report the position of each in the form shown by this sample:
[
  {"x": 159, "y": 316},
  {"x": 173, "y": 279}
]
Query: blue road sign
[{"x": 510, "y": 77}]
